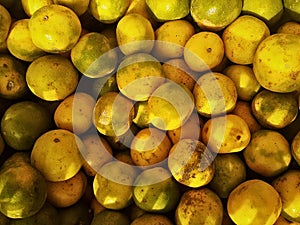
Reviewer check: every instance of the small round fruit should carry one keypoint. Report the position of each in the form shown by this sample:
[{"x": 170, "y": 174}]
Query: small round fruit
[
  {"x": 191, "y": 163},
  {"x": 68, "y": 192},
  {"x": 268, "y": 153},
  {"x": 289, "y": 27},
  {"x": 54, "y": 28},
  {"x": 5, "y": 23},
  {"x": 230, "y": 171},
  {"x": 155, "y": 190},
  {"x": 75, "y": 113},
  {"x": 78, "y": 6},
  {"x": 135, "y": 34},
  {"x": 30, "y": 6},
  {"x": 57, "y": 154},
  {"x": 141, "y": 118},
  {"x": 254, "y": 202},
  {"x": 242, "y": 37},
  {"x": 164, "y": 10},
  {"x": 134, "y": 78},
  {"x": 52, "y": 77},
  {"x": 112, "y": 185},
  {"x": 149, "y": 146},
  {"x": 287, "y": 185},
  {"x": 23, "y": 189},
  {"x": 12, "y": 77},
  {"x": 215, "y": 15},
  {"x": 93, "y": 55},
  {"x": 226, "y": 134},
  {"x": 274, "y": 110},
  {"x": 113, "y": 114},
  {"x": 107, "y": 11},
  {"x": 23, "y": 122},
  {"x": 203, "y": 51},
  {"x": 244, "y": 79},
  {"x": 170, "y": 106},
  {"x": 168, "y": 45},
  {"x": 273, "y": 67},
  {"x": 199, "y": 206},
  {"x": 19, "y": 42},
  {"x": 215, "y": 94}
]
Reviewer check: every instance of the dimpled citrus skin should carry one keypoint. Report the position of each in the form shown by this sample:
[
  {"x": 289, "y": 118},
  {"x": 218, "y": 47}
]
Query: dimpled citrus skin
[{"x": 54, "y": 28}]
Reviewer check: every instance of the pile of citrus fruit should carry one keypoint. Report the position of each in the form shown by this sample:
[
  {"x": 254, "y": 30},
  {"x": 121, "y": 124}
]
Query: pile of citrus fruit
[{"x": 149, "y": 112}]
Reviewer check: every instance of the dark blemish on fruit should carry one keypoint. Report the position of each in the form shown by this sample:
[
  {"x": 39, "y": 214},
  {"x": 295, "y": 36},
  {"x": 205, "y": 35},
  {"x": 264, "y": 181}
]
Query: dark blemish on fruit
[
  {"x": 56, "y": 140},
  {"x": 208, "y": 50},
  {"x": 46, "y": 18},
  {"x": 10, "y": 85}
]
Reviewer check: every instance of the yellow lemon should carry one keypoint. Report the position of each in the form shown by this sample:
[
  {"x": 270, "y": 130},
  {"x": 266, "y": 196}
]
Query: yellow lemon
[{"x": 30, "y": 6}]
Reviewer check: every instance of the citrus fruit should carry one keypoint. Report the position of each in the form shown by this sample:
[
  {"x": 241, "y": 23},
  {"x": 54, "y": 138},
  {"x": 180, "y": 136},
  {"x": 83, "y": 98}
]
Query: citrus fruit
[
  {"x": 52, "y": 77},
  {"x": 199, "y": 206},
  {"x": 215, "y": 15},
  {"x": 254, "y": 202},
  {"x": 30, "y": 6},
  {"x": 113, "y": 114},
  {"x": 168, "y": 45},
  {"x": 226, "y": 134},
  {"x": 19, "y": 42},
  {"x": 290, "y": 27},
  {"x": 295, "y": 147},
  {"x": 268, "y": 153},
  {"x": 269, "y": 11},
  {"x": 23, "y": 122},
  {"x": 78, "y": 6},
  {"x": 5, "y": 23},
  {"x": 107, "y": 11},
  {"x": 230, "y": 171},
  {"x": 170, "y": 106},
  {"x": 12, "y": 77},
  {"x": 134, "y": 78},
  {"x": 244, "y": 79},
  {"x": 155, "y": 190},
  {"x": 149, "y": 147},
  {"x": 242, "y": 37},
  {"x": 110, "y": 217},
  {"x": 265, "y": 109},
  {"x": 191, "y": 163},
  {"x": 112, "y": 185},
  {"x": 135, "y": 34},
  {"x": 54, "y": 28},
  {"x": 289, "y": 191},
  {"x": 203, "y": 51},
  {"x": 93, "y": 56},
  {"x": 273, "y": 66},
  {"x": 164, "y": 10},
  {"x": 215, "y": 94},
  {"x": 292, "y": 7},
  {"x": 23, "y": 188},
  {"x": 57, "y": 154},
  {"x": 152, "y": 219}
]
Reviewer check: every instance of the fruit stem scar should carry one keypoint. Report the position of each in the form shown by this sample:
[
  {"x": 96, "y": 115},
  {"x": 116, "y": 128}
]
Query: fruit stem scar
[{"x": 45, "y": 18}]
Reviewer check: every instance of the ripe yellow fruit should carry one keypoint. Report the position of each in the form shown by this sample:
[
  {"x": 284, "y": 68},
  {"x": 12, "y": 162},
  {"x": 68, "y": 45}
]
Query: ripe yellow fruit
[
  {"x": 78, "y": 6},
  {"x": 203, "y": 51},
  {"x": 242, "y": 37},
  {"x": 57, "y": 154},
  {"x": 30, "y": 6},
  {"x": 254, "y": 202},
  {"x": 54, "y": 28},
  {"x": 273, "y": 66}
]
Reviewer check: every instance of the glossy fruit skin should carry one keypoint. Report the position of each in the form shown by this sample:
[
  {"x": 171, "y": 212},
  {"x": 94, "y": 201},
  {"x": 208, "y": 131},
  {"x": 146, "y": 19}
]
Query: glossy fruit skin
[{"x": 24, "y": 190}]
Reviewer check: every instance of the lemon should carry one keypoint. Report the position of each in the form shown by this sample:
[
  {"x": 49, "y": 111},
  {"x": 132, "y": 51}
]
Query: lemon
[
  {"x": 78, "y": 6},
  {"x": 54, "y": 28},
  {"x": 270, "y": 11},
  {"x": 254, "y": 202},
  {"x": 19, "y": 42},
  {"x": 5, "y": 22},
  {"x": 242, "y": 37},
  {"x": 290, "y": 27},
  {"x": 30, "y": 6},
  {"x": 164, "y": 10},
  {"x": 135, "y": 34},
  {"x": 108, "y": 11},
  {"x": 215, "y": 15},
  {"x": 203, "y": 51}
]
